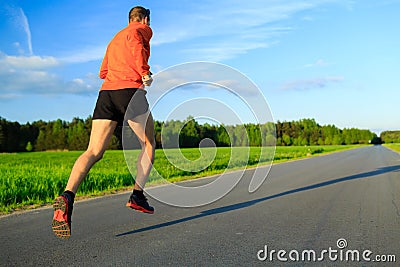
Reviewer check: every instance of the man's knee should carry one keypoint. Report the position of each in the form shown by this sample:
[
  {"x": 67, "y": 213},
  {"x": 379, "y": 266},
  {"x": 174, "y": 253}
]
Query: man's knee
[
  {"x": 95, "y": 154},
  {"x": 147, "y": 142},
  {"x": 152, "y": 142},
  {"x": 149, "y": 147}
]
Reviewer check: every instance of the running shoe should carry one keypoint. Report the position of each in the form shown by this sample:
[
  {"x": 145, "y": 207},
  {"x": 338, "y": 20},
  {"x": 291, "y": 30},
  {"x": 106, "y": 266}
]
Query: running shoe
[
  {"x": 62, "y": 217},
  {"x": 139, "y": 203}
]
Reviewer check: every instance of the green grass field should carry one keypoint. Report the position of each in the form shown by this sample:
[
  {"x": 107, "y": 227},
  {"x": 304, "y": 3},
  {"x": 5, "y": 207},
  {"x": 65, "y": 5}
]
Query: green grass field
[
  {"x": 29, "y": 180},
  {"x": 395, "y": 147}
]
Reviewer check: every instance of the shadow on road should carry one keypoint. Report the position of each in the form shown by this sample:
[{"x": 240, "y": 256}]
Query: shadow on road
[{"x": 255, "y": 201}]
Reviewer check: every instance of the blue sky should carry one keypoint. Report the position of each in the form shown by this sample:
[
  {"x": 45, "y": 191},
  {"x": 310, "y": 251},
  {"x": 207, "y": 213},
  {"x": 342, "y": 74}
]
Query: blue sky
[{"x": 336, "y": 61}]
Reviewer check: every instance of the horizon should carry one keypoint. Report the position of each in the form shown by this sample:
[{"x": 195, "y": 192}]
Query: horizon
[{"x": 211, "y": 123}]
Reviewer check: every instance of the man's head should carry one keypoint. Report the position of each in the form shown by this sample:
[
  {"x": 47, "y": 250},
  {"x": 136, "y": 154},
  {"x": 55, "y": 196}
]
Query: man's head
[{"x": 139, "y": 14}]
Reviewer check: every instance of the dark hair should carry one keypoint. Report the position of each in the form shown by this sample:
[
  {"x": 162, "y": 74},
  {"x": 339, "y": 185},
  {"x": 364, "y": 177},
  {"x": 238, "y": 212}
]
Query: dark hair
[{"x": 138, "y": 13}]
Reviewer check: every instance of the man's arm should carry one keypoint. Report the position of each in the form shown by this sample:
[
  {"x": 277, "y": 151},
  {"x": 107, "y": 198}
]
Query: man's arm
[{"x": 142, "y": 51}]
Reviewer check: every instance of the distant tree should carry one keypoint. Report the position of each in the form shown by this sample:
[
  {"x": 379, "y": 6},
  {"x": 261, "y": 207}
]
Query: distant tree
[
  {"x": 223, "y": 137},
  {"x": 77, "y": 135},
  {"x": 29, "y": 133},
  {"x": 338, "y": 140},
  {"x": 189, "y": 135},
  {"x": 390, "y": 137},
  {"x": 376, "y": 140},
  {"x": 2, "y": 137},
  {"x": 240, "y": 136},
  {"x": 286, "y": 140},
  {"x": 11, "y": 136},
  {"x": 254, "y": 134},
  {"x": 268, "y": 134},
  {"x": 320, "y": 141},
  {"x": 41, "y": 143},
  {"x": 208, "y": 131},
  {"x": 58, "y": 135},
  {"x": 157, "y": 130},
  {"x": 114, "y": 143},
  {"x": 29, "y": 147},
  {"x": 270, "y": 140},
  {"x": 170, "y": 134}
]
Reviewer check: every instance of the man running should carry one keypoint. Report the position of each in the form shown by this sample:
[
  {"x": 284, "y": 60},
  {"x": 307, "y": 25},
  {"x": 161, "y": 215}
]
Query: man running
[{"x": 126, "y": 72}]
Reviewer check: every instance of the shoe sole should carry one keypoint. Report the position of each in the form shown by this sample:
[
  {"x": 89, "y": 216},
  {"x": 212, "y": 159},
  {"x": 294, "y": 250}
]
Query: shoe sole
[
  {"x": 60, "y": 225},
  {"x": 138, "y": 208}
]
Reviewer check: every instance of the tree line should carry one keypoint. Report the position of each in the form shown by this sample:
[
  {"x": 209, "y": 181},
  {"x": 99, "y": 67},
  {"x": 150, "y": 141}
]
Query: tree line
[
  {"x": 390, "y": 137},
  {"x": 74, "y": 135}
]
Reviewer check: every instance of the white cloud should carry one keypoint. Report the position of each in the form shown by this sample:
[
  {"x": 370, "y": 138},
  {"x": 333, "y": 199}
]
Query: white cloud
[
  {"x": 22, "y": 75},
  {"x": 8, "y": 96},
  {"x": 25, "y": 26},
  {"x": 19, "y": 48},
  {"x": 310, "y": 84},
  {"x": 223, "y": 51},
  {"x": 318, "y": 63},
  {"x": 88, "y": 84},
  {"x": 84, "y": 55},
  {"x": 17, "y": 16},
  {"x": 32, "y": 74},
  {"x": 28, "y": 62},
  {"x": 196, "y": 77}
]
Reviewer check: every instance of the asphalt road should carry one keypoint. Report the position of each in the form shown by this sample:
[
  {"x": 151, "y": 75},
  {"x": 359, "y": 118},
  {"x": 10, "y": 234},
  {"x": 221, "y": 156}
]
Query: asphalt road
[{"x": 303, "y": 205}]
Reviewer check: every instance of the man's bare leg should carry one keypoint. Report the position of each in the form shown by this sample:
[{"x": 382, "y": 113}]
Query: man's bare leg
[
  {"x": 100, "y": 136},
  {"x": 102, "y": 131},
  {"x": 143, "y": 126}
]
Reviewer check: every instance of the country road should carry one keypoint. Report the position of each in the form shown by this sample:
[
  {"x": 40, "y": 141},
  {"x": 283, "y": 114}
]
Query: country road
[{"x": 346, "y": 201}]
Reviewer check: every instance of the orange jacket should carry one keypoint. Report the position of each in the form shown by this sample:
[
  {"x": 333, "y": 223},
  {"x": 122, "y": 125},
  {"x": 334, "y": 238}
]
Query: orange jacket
[{"x": 126, "y": 58}]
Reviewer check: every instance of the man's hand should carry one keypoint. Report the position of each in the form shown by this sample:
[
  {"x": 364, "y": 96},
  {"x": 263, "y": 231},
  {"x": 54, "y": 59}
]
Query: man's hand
[{"x": 147, "y": 80}]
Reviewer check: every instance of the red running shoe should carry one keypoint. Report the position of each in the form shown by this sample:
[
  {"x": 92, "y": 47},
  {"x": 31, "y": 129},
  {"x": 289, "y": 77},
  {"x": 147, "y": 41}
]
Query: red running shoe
[
  {"x": 62, "y": 217},
  {"x": 139, "y": 203}
]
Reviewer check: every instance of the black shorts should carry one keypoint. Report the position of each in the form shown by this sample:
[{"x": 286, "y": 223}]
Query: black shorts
[{"x": 114, "y": 104}]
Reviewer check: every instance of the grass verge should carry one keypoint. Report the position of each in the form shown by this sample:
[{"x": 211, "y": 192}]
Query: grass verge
[{"x": 394, "y": 147}]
